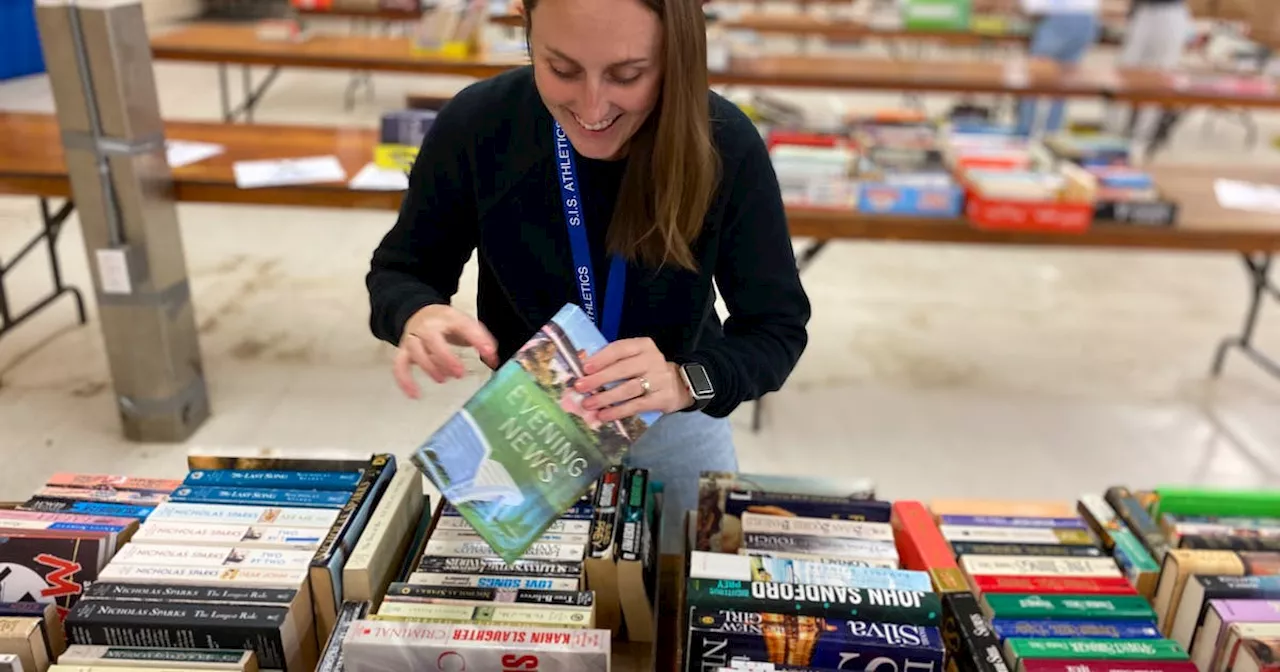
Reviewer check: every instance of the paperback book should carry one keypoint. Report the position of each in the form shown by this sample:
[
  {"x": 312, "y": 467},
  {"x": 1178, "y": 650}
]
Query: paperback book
[{"x": 523, "y": 450}]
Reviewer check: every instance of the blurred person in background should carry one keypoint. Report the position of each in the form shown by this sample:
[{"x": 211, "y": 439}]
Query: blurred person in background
[
  {"x": 1154, "y": 40},
  {"x": 1064, "y": 31}
]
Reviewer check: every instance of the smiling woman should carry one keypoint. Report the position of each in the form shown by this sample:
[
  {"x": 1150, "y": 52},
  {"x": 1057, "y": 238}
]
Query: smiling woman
[{"x": 609, "y": 151}]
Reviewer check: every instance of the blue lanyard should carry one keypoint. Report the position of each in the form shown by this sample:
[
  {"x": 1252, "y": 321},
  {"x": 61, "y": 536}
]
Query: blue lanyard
[{"x": 575, "y": 220}]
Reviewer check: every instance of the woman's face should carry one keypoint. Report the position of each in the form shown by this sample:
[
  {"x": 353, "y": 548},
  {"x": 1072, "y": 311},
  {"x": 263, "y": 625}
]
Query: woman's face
[{"x": 598, "y": 66}]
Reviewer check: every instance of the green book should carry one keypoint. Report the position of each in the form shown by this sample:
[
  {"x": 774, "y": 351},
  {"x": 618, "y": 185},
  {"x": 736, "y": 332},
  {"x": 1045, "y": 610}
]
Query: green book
[
  {"x": 1073, "y": 607},
  {"x": 910, "y": 607},
  {"x": 1219, "y": 503},
  {"x": 523, "y": 450},
  {"x": 1017, "y": 648}
]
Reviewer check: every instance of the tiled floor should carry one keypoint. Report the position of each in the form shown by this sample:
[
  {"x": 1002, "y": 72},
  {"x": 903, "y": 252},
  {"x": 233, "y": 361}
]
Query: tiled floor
[{"x": 935, "y": 370}]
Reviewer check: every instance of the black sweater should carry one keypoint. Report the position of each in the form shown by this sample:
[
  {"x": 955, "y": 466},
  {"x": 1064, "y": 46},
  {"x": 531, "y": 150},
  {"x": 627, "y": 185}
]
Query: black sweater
[{"x": 485, "y": 179}]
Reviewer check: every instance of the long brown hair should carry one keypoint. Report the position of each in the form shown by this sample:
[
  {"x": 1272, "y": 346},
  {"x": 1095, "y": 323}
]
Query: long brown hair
[{"x": 672, "y": 166}]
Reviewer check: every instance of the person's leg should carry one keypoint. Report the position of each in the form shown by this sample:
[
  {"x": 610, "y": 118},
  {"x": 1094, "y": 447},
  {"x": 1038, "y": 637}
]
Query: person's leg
[
  {"x": 1077, "y": 33},
  {"x": 1139, "y": 38},
  {"x": 676, "y": 450},
  {"x": 1044, "y": 44},
  {"x": 1172, "y": 24}
]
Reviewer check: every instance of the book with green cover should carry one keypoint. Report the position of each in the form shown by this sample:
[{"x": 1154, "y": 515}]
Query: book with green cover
[
  {"x": 1017, "y": 648},
  {"x": 1193, "y": 501},
  {"x": 522, "y": 450},
  {"x": 1070, "y": 607}
]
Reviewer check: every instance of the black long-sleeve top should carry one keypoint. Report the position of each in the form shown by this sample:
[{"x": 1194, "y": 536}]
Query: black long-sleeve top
[{"x": 485, "y": 180}]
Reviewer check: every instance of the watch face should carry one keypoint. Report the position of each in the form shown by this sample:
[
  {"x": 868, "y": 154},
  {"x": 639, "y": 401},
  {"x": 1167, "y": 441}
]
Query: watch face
[{"x": 699, "y": 381}]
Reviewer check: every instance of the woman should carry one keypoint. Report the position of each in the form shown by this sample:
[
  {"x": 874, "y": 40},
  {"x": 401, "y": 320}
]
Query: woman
[
  {"x": 614, "y": 130},
  {"x": 1157, "y": 34},
  {"x": 1064, "y": 31}
]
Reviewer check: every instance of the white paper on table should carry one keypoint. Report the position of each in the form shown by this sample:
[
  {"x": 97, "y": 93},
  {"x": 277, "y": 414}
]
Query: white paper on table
[
  {"x": 1250, "y": 196},
  {"x": 374, "y": 178},
  {"x": 281, "y": 172},
  {"x": 186, "y": 152}
]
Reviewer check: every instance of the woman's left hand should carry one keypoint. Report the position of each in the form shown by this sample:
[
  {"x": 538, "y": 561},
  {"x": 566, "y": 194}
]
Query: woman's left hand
[{"x": 631, "y": 363}]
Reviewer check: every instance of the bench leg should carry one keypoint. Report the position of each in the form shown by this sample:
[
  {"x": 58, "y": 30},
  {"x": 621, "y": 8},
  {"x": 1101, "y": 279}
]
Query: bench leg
[
  {"x": 50, "y": 230},
  {"x": 1258, "y": 268}
]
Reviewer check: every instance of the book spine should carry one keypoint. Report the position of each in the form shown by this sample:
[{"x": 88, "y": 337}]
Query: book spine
[
  {"x": 162, "y": 532},
  {"x": 310, "y": 499},
  {"x": 242, "y": 515},
  {"x": 1050, "y": 585},
  {"x": 371, "y": 646},
  {"x": 973, "y": 645},
  {"x": 90, "y": 655},
  {"x": 216, "y": 576},
  {"x": 129, "y": 497},
  {"x": 546, "y": 538},
  {"x": 963, "y": 548},
  {"x": 738, "y": 502},
  {"x": 1010, "y": 521},
  {"x": 1096, "y": 649},
  {"x": 1007, "y": 628},
  {"x": 1199, "y": 542},
  {"x": 923, "y": 547},
  {"x": 50, "y": 505},
  {"x": 823, "y": 527},
  {"x": 431, "y": 564},
  {"x": 212, "y": 556},
  {"x": 504, "y": 582},
  {"x": 57, "y": 527},
  {"x": 563, "y": 598},
  {"x": 8, "y": 516},
  {"x": 502, "y": 615},
  {"x": 631, "y": 534},
  {"x": 870, "y": 604},
  {"x": 177, "y": 625},
  {"x": 1018, "y": 535},
  {"x": 875, "y": 563},
  {"x": 583, "y": 511},
  {"x": 1035, "y": 665},
  {"x": 1129, "y": 552},
  {"x": 480, "y": 549},
  {"x": 344, "y": 534},
  {"x": 331, "y": 657},
  {"x": 819, "y": 546},
  {"x": 1070, "y": 607},
  {"x": 1131, "y": 512},
  {"x": 1014, "y": 565},
  {"x": 608, "y": 498},
  {"x": 157, "y": 592},
  {"x": 73, "y": 480},
  {"x": 254, "y": 478},
  {"x": 822, "y": 573},
  {"x": 560, "y": 526}
]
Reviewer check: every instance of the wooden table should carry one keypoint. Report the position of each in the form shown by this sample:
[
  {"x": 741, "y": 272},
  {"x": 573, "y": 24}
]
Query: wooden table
[
  {"x": 31, "y": 163},
  {"x": 238, "y": 45}
]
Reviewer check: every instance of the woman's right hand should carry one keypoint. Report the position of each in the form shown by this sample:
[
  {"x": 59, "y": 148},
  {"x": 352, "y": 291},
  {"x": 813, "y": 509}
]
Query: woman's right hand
[{"x": 428, "y": 340}]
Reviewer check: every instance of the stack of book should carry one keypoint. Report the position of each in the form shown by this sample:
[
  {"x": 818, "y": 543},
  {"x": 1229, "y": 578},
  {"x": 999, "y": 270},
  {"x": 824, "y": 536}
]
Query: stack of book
[
  {"x": 803, "y": 574},
  {"x": 1220, "y": 578},
  {"x": 246, "y": 554},
  {"x": 1052, "y": 596}
]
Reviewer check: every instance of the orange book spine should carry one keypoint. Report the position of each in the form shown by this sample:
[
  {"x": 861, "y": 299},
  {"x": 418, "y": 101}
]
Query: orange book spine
[{"x": 922, "y": 548}]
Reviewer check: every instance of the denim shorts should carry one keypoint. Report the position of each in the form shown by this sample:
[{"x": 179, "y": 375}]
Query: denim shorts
[{"x": 676, "y": 450}]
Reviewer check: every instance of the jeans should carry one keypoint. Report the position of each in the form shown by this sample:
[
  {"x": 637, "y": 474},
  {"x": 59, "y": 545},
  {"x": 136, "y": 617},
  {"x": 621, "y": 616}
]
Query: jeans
[
  {"x": 676, "y": 450},
  {"x": 1063, "y": 38}
]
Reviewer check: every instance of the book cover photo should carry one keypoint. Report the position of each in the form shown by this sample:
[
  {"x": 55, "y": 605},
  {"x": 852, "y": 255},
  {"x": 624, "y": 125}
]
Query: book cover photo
[{"x": 522, "y": 450}]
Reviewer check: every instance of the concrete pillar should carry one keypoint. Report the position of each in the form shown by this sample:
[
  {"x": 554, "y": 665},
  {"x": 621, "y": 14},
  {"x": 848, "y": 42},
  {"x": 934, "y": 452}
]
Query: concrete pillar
[{"x": 98, "y": 57}]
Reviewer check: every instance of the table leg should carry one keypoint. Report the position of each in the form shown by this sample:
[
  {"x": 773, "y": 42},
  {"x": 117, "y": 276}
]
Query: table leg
[
  {"x": 50, "y": 229},
  {"x": 252, "y": 95},
  {"x": 1258, "y": 266},
  {"x": 246, "y": 91},
  {"x": 803, "y": 260},
  {"x": 224, "y": 91}
]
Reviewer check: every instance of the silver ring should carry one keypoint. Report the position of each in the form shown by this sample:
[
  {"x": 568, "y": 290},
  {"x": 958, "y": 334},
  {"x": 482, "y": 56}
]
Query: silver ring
[{"x": 644, "y": 386}]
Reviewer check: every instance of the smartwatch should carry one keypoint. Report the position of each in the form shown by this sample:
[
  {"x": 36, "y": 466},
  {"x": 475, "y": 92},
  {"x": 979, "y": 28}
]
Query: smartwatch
[{"x": 699, "y": 384}]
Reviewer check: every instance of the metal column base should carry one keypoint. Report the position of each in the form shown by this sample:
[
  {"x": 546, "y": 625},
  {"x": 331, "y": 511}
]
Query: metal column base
[
  {"x": 51, "y": 228},
  {"x": 806, "y": 257},
  {"x": 1259, "y": 269}
]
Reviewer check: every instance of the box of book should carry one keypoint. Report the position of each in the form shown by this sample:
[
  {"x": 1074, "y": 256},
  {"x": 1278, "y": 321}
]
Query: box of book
[
  {"x": 1061, "y": 201},
  {"x": 523, "y": 450}
]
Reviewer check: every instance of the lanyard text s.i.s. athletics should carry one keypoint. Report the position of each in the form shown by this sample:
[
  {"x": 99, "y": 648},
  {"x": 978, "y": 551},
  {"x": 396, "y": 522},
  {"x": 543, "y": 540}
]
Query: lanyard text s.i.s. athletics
[{"x": 574, "y": 219}]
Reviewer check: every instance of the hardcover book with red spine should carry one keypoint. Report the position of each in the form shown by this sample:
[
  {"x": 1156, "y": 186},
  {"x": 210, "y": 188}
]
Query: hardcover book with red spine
[
  {"x": 1052, "y": 585},
  {"x": 1032, "y": 665},
  {"x": 921, "y": 547}
]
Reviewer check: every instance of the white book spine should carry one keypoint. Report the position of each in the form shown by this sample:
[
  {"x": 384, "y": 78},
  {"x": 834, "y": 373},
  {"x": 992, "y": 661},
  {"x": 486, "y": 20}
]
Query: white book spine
[
  {"x": 1020, "y": 565},
  {"x": 200, "y": 576},
  {"x": 999, "y": 535},
  {"x": 845, "y": 529},
  {"x": 246, "y": 515},
  {"x": 548, "y": 538},
  {"x": 213, "y": 556},
  {"x": 476, "y": 581},
  {"x": 230, "y": 535},
  {"x": 480, "y": 549},
  {"x": 375, "y": 646},
  {"x": 557, "y": 526}
]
